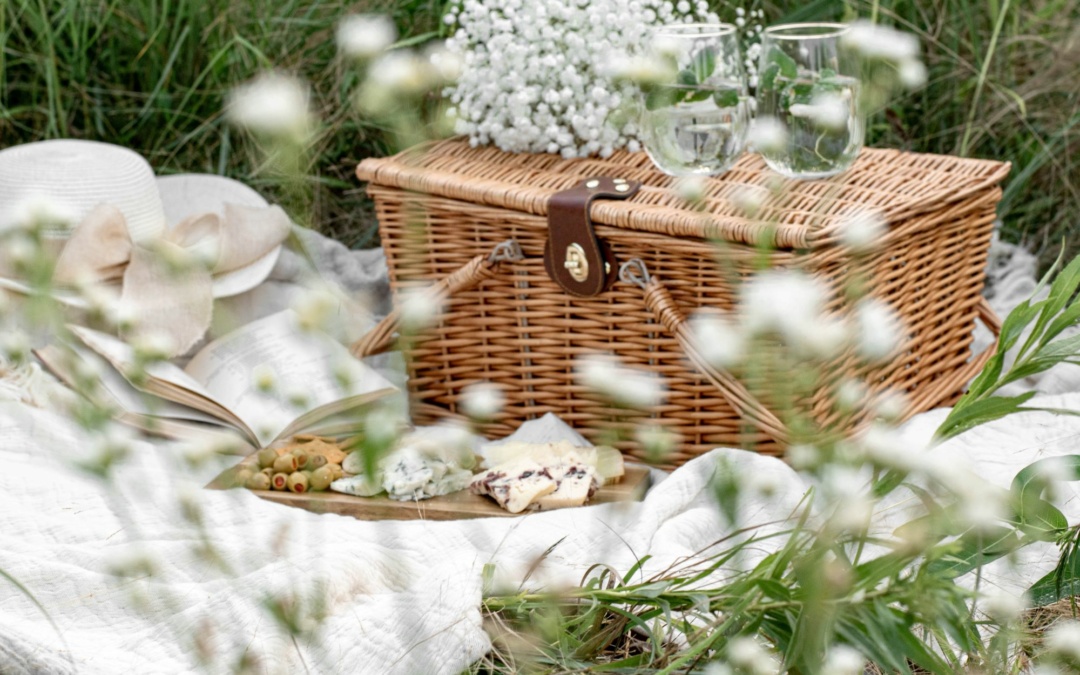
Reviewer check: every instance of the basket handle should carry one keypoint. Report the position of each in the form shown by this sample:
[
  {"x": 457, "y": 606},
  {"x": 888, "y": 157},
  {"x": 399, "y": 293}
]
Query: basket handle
[
  {"x": 659, "y": 300},
  {"x": 379, "y": 338}
]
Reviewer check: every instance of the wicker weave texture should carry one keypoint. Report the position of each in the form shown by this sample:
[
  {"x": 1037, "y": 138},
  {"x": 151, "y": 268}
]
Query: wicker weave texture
[{"x": 440, "y": 208}]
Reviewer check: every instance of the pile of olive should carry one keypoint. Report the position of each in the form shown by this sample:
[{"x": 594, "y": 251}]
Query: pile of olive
[{"x": 292, "y": 468}]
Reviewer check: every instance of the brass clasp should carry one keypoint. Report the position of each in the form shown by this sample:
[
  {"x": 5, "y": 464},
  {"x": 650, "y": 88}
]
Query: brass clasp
[{"x": 576, "y": 262}]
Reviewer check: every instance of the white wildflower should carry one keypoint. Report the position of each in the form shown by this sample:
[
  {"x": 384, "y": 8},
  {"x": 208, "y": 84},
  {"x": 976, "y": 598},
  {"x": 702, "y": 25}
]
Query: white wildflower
[
  {"x": 274, "y": 104},
  {"x": 749, "y": 198},
  {"x": 37, "y": 211},
  {"x": 843, "y": 660},
  {"x": 861, "y": 230},
  {"x": 718, "y": 668},
  {"x": 445, "y": 64},
  {"x": 912, "y": 73},
  {"x": 886, "y": 446},
  {"x": 871, "y": 40},
  {"x": 365, "y": 35},
  {"x": 748, "y": 654},
  {"x": 851, "y": 394},
  {"x": 15, "y": 345},
  {"x": 767, "y": 134},
  {"x": 419, "y": 309},
  {"x": 1063, "y": 639},
  {"x": 153, "y": 345},
  {"x": 764, "y": 483},
  {"x": 400, "y": 72},
  {"x": 315, "y": 307},
  {"x": 482, "y": 401},
  {"x": 791, "y": 304},
  {"x": 264, "y": 378},
  {"x": 880, "y": 330},
  {"x": 130, "y": 560},
  {"x": 891, "y": 405},
  {"x": 640, "y": 69},
  {"x": 123, "y": 315},
  {"x": 829, "y": 111},
  {"x": 1001, "y": 605},
  {"x": 691, "y": 188},
  {"x": 621, "y": 385},
  {"x": 803, "y": 457},
  {"x": 1050, "y": 472},
  {"x": 656, "y": 441},
  {"x": 851, "y": 505},
  {"x": 720, "y": 342}
]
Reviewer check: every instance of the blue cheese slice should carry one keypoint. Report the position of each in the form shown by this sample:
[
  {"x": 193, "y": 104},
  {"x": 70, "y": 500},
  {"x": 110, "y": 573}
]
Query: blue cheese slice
[{"x": 578, "y": 482}]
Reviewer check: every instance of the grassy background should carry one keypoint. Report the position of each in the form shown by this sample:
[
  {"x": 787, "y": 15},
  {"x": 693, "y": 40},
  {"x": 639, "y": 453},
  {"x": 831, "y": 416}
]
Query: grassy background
[{"x": 152, "y": 74}]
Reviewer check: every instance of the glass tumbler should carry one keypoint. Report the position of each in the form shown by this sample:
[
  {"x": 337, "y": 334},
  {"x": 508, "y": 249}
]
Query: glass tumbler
[
  {"x": 808, "y": 100},
  {"x": 695, "y": 121}
]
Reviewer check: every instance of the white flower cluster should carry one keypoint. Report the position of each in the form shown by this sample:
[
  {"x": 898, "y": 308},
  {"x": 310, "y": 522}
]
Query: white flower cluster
[
  {"x": 533, "y": 77},
  {"x": 750, "y": 25}
]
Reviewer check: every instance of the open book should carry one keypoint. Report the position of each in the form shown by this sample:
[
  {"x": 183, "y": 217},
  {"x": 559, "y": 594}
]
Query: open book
[{"x": 316, "y": 383}]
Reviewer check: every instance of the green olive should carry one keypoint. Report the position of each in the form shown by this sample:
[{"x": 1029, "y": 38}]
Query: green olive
[
  {"x": 240, "y": 478},
  {"x": 266, "y": 457},
  {"x": 285, "y": 464},
  {"x": 316, "y": 461},
  {"x": 280, "y": 481},
  {"x": 297, "y": 482},
  {"x": 321, "y": 478},
  {"x": 302, "y": 459},
  {"x": 258, "y": 481}
]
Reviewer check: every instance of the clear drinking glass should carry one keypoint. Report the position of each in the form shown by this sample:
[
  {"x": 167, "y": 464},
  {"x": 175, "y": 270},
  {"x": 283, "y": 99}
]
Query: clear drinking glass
[
  {"x": 808, "y": 98},
  {"x": 696, "y": 123}
]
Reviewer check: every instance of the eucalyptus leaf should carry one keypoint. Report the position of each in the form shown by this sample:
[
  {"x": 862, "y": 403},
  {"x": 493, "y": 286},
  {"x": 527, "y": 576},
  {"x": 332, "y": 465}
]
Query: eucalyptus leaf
[
  {"x": 788, "y": 68},
  {"x": 726, "y": 98},
  {"x": 704, "y": 63},
  {"x": 978, "y": 412}
]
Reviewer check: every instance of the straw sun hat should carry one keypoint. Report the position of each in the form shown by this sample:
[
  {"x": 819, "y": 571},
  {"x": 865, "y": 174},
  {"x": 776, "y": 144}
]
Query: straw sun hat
[{"x": 119, "y": 211}]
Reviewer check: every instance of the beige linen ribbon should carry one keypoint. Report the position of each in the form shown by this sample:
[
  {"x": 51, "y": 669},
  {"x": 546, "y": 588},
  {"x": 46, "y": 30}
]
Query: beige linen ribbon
[{"x": 169, "y": 283}]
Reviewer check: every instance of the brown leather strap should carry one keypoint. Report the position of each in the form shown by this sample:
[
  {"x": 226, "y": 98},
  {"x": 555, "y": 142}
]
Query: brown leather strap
[{"x": 573, "y": 256}]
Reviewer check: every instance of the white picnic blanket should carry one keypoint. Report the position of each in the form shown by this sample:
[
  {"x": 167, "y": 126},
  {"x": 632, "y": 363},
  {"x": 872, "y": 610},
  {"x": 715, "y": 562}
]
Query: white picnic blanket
[{"x": 399, "y": 597}]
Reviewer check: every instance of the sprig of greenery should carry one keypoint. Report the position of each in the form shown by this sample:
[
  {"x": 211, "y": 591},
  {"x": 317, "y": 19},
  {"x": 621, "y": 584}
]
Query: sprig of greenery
[{"x": 1043, "y": 322}]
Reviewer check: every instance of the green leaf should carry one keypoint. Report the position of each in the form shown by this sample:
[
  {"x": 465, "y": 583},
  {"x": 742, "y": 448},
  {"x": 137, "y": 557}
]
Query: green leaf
[
  {"x": 704, "y": 64},
  {"x": 976, "y": 412},
  {"x": 974, "y": 550},
  {"x": 773, "y": 589},
  {"x": 661, "y": 97},
  {"x": 767, "y": 79},
  {"x": 686, "y": 78},
  {"x": 1063, "y": 582},
  {"x": 788, "y": 68},
  {"x": 726, "y": 98}
]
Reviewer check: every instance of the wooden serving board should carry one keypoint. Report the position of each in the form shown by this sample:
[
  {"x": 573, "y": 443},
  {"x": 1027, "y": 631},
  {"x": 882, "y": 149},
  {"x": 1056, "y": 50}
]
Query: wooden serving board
[{"x": 457, "y": 506}]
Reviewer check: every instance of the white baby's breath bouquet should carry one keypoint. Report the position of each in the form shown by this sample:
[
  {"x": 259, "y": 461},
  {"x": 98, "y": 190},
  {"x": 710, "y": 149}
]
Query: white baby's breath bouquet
[{"x": 536, "y": 73}]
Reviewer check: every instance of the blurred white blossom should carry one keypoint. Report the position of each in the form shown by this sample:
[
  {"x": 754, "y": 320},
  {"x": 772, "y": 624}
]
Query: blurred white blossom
[
  {"x": 912, "y": 73},
  {"x": 767, "y": 134},
  {"x": 720, "y": 341},
  {"x": 273, "y": 104},
  {"x": 802, "y": 456},
  {"x": 1063, "y": 639},
  {"x": 749, "y": 198},
  {"x": 872, "y": 40},
  {"x": 748, "y": 654},
  {"x": 784, "y": 301},
  {"x": 1001, "y": 605},
  {"x": 880, "y": 329},
  {"x": 365, "y": 35},
  {"x": 37, "y": 211},
  {"x": 829, "y": 111},
  {"x": 632, "y": 388},
  {"x": 153, "y": 345},
  {"x": 860, "y": 231},
  {"x": 482, "y": 401},
  {"x": 843, "y": 660},
  {"x": 419, "y": 309}
]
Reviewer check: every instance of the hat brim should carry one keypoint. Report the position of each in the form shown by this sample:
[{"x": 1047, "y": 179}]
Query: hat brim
[
  {"x": 184, "y": 195},
  {"x": 187, "y": 194}
]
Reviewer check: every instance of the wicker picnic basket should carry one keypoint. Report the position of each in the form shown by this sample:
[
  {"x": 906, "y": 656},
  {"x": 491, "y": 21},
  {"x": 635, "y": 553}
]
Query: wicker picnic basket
[{"x": 447, "y": 212}]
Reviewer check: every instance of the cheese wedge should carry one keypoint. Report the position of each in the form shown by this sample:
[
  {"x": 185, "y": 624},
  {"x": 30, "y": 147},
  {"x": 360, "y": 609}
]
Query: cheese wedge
[
  {"x": 577, "y": 484},
  {"x": 515, "y": 485},
  {"x": 606, "y": 460}
]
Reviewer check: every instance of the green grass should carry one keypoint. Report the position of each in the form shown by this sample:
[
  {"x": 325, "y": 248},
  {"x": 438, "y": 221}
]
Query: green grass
[{"x": 152, "y": 74}]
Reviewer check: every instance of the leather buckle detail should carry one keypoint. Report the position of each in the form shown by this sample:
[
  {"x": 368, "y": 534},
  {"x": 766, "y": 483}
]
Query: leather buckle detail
[{"x": 573, "y": 256}]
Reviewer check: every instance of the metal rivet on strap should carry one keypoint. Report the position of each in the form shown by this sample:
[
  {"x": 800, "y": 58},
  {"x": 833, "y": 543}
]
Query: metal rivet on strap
[
  {"x": 622, "y": 188},
  {"x": 619, "y": 181},
  {"x": 592, "y": 184}
]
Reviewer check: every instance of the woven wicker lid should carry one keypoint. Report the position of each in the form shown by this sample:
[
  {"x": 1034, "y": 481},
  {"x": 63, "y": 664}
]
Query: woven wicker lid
[{"x": 793, "y": 214}]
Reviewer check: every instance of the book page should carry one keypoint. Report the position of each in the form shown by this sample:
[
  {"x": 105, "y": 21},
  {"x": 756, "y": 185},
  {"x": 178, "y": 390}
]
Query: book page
[
  {"x": 302, "y": 365},
  {"x": 123, "y": 394}
]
